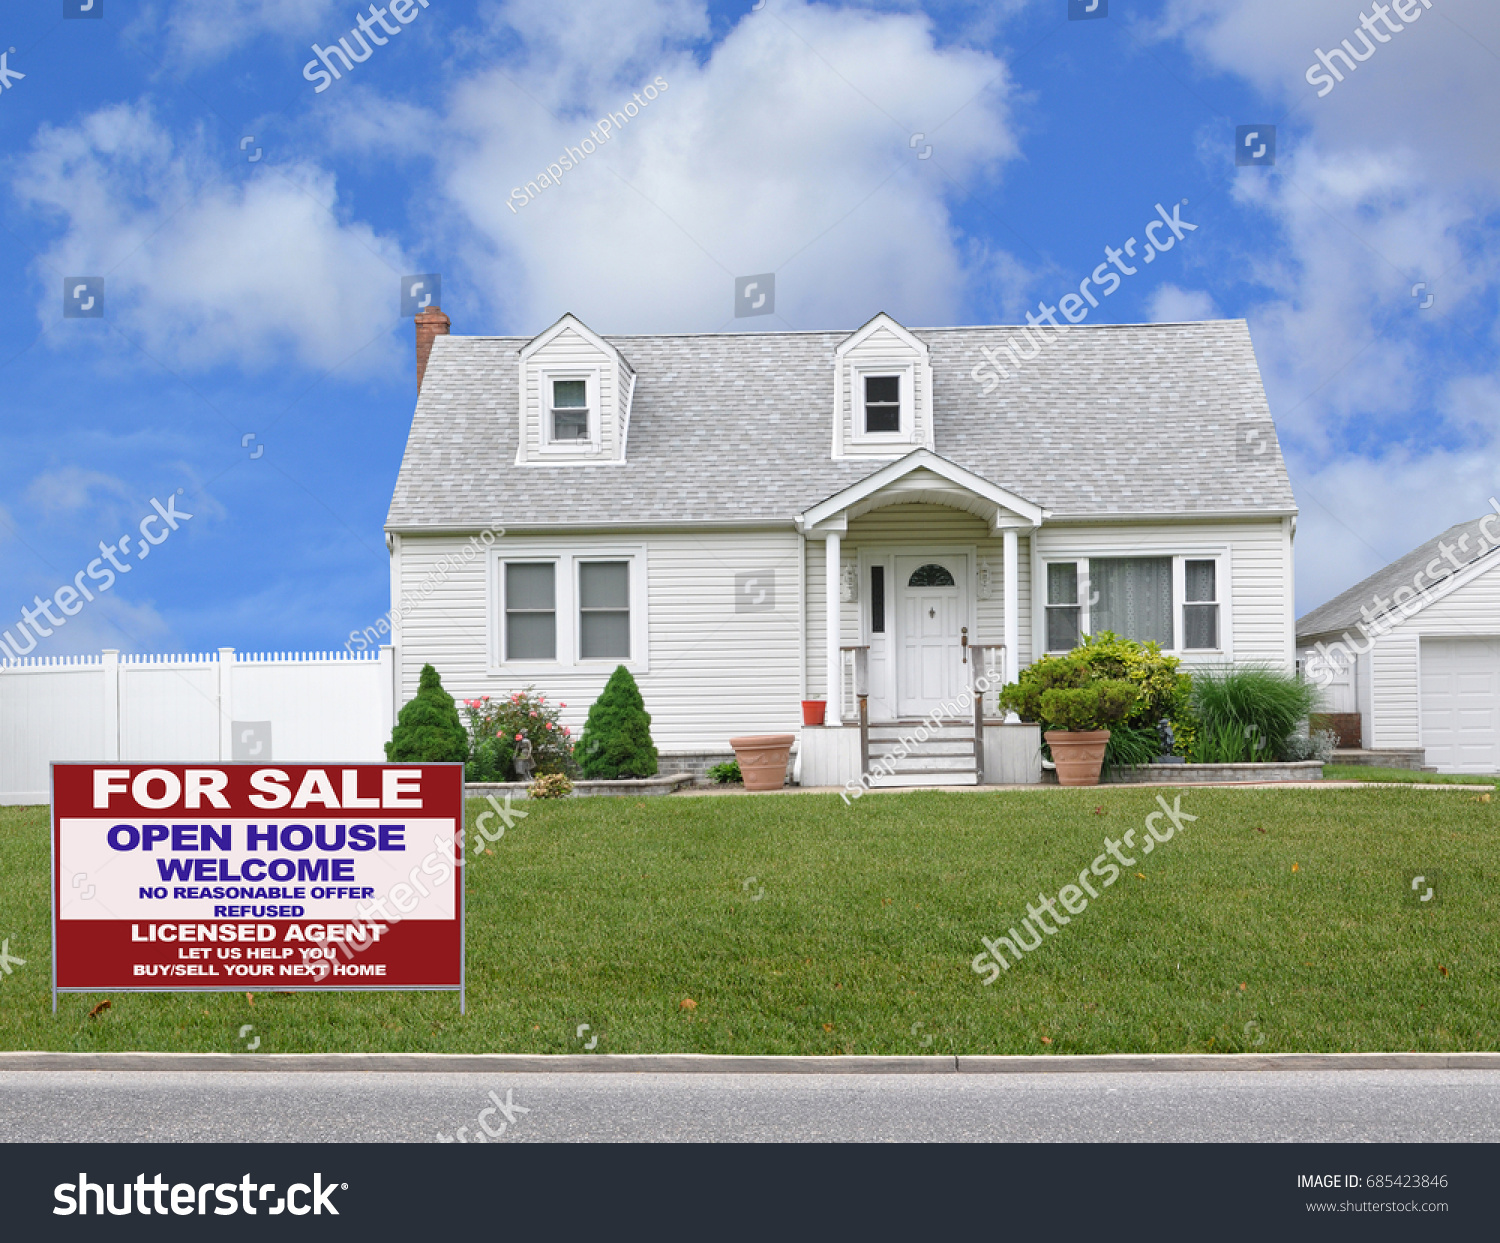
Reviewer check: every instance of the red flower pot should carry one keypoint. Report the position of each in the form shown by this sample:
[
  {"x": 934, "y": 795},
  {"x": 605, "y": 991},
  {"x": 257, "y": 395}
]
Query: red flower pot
[{"x": 812, "y": 711}]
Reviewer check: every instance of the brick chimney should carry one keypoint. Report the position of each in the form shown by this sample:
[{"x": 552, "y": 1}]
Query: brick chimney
[{"x": 431, "y": 322}]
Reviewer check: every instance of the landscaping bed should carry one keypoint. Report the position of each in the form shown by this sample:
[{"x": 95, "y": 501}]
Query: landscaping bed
[
  {"x": 1279, "y": 920},
  {"x": 1192, "y": 774}
]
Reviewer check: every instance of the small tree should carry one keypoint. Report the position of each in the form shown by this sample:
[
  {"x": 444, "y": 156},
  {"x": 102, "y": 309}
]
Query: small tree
[
  {"x": 616, "y": 738},
  {"x": 428, "y": 728}
]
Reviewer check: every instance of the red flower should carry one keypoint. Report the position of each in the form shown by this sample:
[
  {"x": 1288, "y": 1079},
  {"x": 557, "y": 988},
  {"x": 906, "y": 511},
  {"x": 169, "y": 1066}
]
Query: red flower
[
  {"x": 519, "y": 737},
  {"x": 485, "y": 698},
  {"x": 562, "y": 705},
  {"x": 549, "y": 724},
  {"x": 533, "y": 712},
  {"x": 499, "y": 733},
  {"x": 566, "y": 730}
]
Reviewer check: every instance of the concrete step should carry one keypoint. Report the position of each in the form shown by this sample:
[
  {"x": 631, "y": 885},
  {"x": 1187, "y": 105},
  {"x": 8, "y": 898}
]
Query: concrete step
[
  {"x": 924, "y": 778},
  {"x": 928, "y": 763},
  {"x": 947, "y": 746}
]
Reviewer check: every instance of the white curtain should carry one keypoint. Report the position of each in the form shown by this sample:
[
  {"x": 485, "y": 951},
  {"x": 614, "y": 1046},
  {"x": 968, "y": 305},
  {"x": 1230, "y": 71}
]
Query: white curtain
[{"x": 1133, "y": 597}]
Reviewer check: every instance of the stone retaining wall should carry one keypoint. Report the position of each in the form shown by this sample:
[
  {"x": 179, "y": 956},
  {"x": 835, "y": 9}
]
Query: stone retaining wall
[{"x": 1192, "y": 774}]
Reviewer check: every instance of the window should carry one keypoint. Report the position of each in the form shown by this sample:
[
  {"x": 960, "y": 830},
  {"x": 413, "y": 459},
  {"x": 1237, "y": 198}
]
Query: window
[
  {"x": 1132, "y": 596},
  {"x": 877, "y": 599},
  {"x": 570, "y": 411},
  {"x": 1200, "y": 608},
  {"x": 930, "y": 575},
  {"x": 882, "y": 404},
  {"x": 1062, "y": 606},
  {"x": 604, "y": 610},
  {"x": 530, "y": 610}
]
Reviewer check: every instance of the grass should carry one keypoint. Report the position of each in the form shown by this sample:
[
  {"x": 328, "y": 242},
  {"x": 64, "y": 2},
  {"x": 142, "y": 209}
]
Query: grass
[
  {"x": 1279, "y": 920},
  {"x": 1405, "y": 776}
]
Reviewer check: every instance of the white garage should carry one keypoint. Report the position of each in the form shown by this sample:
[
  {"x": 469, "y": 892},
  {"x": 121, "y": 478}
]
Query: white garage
[
  {"x": 1460, "y": 704},
  {"x": 1415, "y": 651}
]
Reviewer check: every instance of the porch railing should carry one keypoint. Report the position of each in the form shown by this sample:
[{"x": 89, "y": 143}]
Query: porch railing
[
  {"x": 987, "y": 662},
  {"x": 857, "y": 660}
]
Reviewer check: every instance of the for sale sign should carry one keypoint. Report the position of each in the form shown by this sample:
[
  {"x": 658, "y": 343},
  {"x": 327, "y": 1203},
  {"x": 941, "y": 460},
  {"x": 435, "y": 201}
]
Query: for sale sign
[{"x": 234, "y": 877}]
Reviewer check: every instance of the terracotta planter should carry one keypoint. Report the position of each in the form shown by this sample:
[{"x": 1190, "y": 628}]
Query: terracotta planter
[
  {"x": 1078, "y": 754},
  {"x": 763, "y": 759},
  {"x": 812, "y": 711}
]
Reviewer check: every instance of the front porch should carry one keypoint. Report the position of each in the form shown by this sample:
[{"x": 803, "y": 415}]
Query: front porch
[{"x": 914, "y": 753}]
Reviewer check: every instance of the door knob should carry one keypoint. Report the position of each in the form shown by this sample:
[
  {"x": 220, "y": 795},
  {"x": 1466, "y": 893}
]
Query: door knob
[{"x": 964, "y": 643}]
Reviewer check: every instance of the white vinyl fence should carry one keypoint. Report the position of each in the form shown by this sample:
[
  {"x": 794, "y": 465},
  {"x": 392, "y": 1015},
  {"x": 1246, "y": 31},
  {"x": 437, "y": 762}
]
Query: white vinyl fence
[{"x": 284, "y": 707}]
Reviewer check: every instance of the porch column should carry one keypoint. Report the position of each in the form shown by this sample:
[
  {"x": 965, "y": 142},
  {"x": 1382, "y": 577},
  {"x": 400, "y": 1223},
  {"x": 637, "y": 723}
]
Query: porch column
[
  {"x": 832, "y": 626},
  {"x": 1012, "y": 664}
]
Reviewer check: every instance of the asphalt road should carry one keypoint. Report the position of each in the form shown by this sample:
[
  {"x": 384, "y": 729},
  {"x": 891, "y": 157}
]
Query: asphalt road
[{"x": 1303, "y": 1106}]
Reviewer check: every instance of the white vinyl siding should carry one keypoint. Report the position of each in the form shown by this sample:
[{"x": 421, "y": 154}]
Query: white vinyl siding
[
  {"x": 713, "y": 673},
  {"x": 570, "y": 355},
  {"x": 883, "y": 352}
]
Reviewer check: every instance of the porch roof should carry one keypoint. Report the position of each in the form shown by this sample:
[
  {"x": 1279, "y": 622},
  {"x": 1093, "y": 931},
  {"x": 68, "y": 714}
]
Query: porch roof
[{"x": 924, "y": 477}]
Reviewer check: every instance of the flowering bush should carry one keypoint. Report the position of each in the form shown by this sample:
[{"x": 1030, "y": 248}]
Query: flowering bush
[
  {"x": 551, "y": 785},
  {"x": 497, "y": 726}
]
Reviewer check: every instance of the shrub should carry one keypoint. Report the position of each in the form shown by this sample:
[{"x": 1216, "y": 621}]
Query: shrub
[
  {"x": 1095, "y": 706},
  {"x": 428, "y": 729},
  {"x": 1024, "y": 695},
  {"x": 726, "y": 773},
  {"x": 1318, "y": 745},
  {"x": 550, "y": 785},
  {"x": 616, "y": 738},
  {"x": 496, "y": 727},
  {"x": 1164, "y": 691},
  {"x": 1248, "y": 713},
  {"x": 1130, "y": 745}
]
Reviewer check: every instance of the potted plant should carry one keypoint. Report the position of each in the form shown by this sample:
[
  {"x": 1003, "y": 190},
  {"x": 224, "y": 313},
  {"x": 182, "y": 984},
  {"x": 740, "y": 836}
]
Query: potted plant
[
  {"x": 762, "y": 759},
  {"x": 1080, "y": 718}
]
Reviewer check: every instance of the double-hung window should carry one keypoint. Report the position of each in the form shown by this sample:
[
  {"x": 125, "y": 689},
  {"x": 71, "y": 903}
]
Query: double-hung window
[
  {"x": 1063, "y": 620},
  {"x": 882, "y": 404},
  {"x": 530, "y": 610},
  {"x": 1200, "y": 605},
  {"x": 604, "y": 610},
  {"x": 570, "y": 412}
]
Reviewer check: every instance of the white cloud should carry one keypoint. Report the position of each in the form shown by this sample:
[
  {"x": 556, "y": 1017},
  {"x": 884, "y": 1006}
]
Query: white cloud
[
  {"x": 71, "y": 490},
  {"x": 201, "y": 32},
  {"x": 1171, "y": 304},
  {"x": 205, "y": 265},
  {"x": 789, "y": 149}
]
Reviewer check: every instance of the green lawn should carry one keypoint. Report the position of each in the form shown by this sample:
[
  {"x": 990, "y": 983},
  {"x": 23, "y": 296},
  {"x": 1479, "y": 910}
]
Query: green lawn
[
  {"x": 1280, "y": 920},
  {"x": 1406, "y": 776}
]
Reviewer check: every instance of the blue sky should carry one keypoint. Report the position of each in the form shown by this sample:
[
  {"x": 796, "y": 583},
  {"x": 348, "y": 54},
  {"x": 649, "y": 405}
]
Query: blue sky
[{"x": 251, "y": 232}]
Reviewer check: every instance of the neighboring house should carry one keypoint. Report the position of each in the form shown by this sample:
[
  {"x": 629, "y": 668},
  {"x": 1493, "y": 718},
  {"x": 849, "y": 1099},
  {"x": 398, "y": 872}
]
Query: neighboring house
[
  {"x": 723, "y": 513},
  {"x": 1414, "y": 650}
]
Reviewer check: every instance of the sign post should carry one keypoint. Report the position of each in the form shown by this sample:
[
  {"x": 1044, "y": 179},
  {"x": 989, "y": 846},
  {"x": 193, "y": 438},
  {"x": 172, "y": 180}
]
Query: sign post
[{"x": 229, "y": 877}]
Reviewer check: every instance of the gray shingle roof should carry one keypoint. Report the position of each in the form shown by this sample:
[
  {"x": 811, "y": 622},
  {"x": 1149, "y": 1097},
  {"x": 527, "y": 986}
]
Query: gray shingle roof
[
  {"x": 738, "y": 427},
  {"x": 1343, "y": 611}
]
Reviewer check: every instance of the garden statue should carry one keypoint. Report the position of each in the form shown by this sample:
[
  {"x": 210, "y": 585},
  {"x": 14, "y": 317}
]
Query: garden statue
[
  {"x": 523, "y": 760},
  {"x": 1168, "y": 741}
]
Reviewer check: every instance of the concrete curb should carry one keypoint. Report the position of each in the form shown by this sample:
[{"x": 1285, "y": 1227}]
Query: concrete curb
[{"x": 717, "y": 1064}]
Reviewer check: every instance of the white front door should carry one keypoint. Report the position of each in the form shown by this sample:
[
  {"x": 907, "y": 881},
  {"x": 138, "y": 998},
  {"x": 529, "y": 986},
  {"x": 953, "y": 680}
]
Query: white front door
[{"x": 932, "y": 609}]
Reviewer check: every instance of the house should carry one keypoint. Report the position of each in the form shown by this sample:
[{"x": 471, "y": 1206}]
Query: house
[
  {"x": 1413, "y": 652},
  {"x": 750, "y": 520}
]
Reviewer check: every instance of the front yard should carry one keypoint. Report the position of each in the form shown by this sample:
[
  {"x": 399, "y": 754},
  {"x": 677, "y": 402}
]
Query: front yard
[{"x": 1278, "y": 921}]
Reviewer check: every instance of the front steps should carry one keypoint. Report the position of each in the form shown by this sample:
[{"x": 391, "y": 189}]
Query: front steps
[{"x": 940, "y": 756}]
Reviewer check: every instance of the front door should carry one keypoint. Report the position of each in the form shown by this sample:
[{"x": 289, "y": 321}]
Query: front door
[{"x": 932, "y": 609}]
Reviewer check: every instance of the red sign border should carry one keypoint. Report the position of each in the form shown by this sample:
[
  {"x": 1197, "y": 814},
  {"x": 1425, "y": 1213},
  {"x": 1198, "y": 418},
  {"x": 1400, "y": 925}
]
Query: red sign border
[{"x": 54, "y": 892}]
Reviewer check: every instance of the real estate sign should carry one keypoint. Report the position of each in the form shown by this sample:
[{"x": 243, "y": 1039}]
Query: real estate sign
[{"x": 240, "y": 877}]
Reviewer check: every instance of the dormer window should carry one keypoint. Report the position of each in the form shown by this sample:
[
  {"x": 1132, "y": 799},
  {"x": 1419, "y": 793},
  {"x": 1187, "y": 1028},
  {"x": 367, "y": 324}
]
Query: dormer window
[
  {"x": 570, "y": 411},
  {"x": 882, "y": 404}
]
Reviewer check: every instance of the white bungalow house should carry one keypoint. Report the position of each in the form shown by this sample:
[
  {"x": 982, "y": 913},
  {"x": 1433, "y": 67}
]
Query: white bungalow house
[
  {"x": 1413, "y": 652},
  {"x": 750, "y": 520}
]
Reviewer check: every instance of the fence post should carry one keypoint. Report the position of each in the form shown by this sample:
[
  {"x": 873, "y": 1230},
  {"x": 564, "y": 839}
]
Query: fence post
[
  {"x": 226, "y": 704},
  {"x": 389, "y": 694},
  {"x": 111, "y": 663}
]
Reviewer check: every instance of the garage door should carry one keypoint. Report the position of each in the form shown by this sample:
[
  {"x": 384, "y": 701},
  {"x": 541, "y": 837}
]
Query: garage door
[{"x": 1461, "y": 704}]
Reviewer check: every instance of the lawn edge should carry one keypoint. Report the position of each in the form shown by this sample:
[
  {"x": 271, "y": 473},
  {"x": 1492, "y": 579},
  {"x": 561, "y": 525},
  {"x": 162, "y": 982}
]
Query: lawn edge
[{"x": 731, "y": 1064}]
